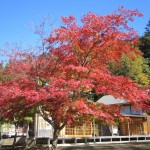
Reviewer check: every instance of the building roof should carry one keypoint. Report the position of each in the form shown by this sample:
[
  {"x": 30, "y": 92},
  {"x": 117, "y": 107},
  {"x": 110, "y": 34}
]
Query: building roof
[{"x": 109, "y": 99}]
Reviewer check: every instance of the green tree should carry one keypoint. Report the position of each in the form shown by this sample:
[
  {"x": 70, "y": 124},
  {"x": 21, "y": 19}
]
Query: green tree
[
  {"x": 136, "y": 68},
  {"x": 145, "y": 42}
]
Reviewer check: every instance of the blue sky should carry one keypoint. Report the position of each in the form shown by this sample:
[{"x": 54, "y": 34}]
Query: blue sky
[{"x": 18, "y": 15}]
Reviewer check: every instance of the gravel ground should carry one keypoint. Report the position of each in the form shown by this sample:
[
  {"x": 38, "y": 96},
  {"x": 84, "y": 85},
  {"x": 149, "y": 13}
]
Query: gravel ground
[{"x": 125, "y": 146}]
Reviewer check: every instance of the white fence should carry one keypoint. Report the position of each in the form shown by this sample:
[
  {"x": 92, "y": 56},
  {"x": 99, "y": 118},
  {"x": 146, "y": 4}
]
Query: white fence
[{"x": 95, "y": 140}]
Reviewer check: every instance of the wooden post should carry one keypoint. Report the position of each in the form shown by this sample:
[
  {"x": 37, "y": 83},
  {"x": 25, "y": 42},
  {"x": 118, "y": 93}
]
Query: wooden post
[
  {"x": 83, "y": 129},
  {"x": 147, "y": 121},
  {"x": 94, "y": 130},
  {"x": 74, "y": 131},
  {"x": 128, "y": 128}
]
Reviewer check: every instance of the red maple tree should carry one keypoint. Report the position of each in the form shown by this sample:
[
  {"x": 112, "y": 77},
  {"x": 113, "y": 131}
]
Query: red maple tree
[{"x": 60, "y": 81}]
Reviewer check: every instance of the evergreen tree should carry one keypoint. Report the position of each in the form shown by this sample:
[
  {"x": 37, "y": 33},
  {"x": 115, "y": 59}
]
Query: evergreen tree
[
  {"x": 145, "y": 42},
  {"x": 135, "y": 68}
]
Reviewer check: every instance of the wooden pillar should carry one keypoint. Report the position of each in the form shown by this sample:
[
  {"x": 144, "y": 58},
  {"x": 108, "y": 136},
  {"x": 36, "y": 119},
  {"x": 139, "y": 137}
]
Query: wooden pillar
[
  {"x": 128, "y": 128},
  {"x": 83, "y": 127},
  {"x": 148, "y": 124},
  {"x": 75, "y": 131},
  {"x": 94, "y": 130}
]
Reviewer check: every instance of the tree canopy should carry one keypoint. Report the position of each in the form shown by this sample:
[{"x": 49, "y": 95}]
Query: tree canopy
[
  {"x": 136, "y": 68},
  {"x": 76, "y": 62},
  {"x": 145, "y": 42}
]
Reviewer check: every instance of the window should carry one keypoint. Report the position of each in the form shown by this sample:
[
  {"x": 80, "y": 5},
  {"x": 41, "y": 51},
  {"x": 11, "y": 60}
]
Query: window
[
  {"x": 84, "y": 130},
  {"x": 69, "y": 130},
  {"x": 126, "y": 109},
  {"x": 135, "y": 111}
]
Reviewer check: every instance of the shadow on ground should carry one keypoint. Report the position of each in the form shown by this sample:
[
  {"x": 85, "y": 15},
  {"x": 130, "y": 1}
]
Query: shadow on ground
[
  {"x": 88, "y": 148},
  {"x": 125, "y": 146}
]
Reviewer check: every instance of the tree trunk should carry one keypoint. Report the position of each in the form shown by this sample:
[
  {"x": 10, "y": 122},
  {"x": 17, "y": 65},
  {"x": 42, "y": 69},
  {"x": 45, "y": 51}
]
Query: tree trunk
[
  {"x": 15, "y": 136},
  {"x": 55, "y": 138}
]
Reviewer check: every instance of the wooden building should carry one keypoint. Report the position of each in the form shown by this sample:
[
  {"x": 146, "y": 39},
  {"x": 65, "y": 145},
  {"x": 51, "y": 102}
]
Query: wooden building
[{"x": 138, "y": 124}]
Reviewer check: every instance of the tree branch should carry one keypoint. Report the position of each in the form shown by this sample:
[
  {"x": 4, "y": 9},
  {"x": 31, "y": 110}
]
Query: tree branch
[{"x": 45, "y": 117}]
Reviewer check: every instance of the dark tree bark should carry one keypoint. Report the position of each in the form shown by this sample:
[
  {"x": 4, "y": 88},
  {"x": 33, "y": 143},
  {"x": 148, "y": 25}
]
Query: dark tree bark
[
  {"x": 57, "y": 127},
  {"x": 15, "y": 136},
  {"x": 55, "y": 138}
]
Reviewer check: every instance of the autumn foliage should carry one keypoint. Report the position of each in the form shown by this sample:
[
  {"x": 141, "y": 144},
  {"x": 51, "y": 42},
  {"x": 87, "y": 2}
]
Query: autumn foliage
[{"x": 74, "y": 67}]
